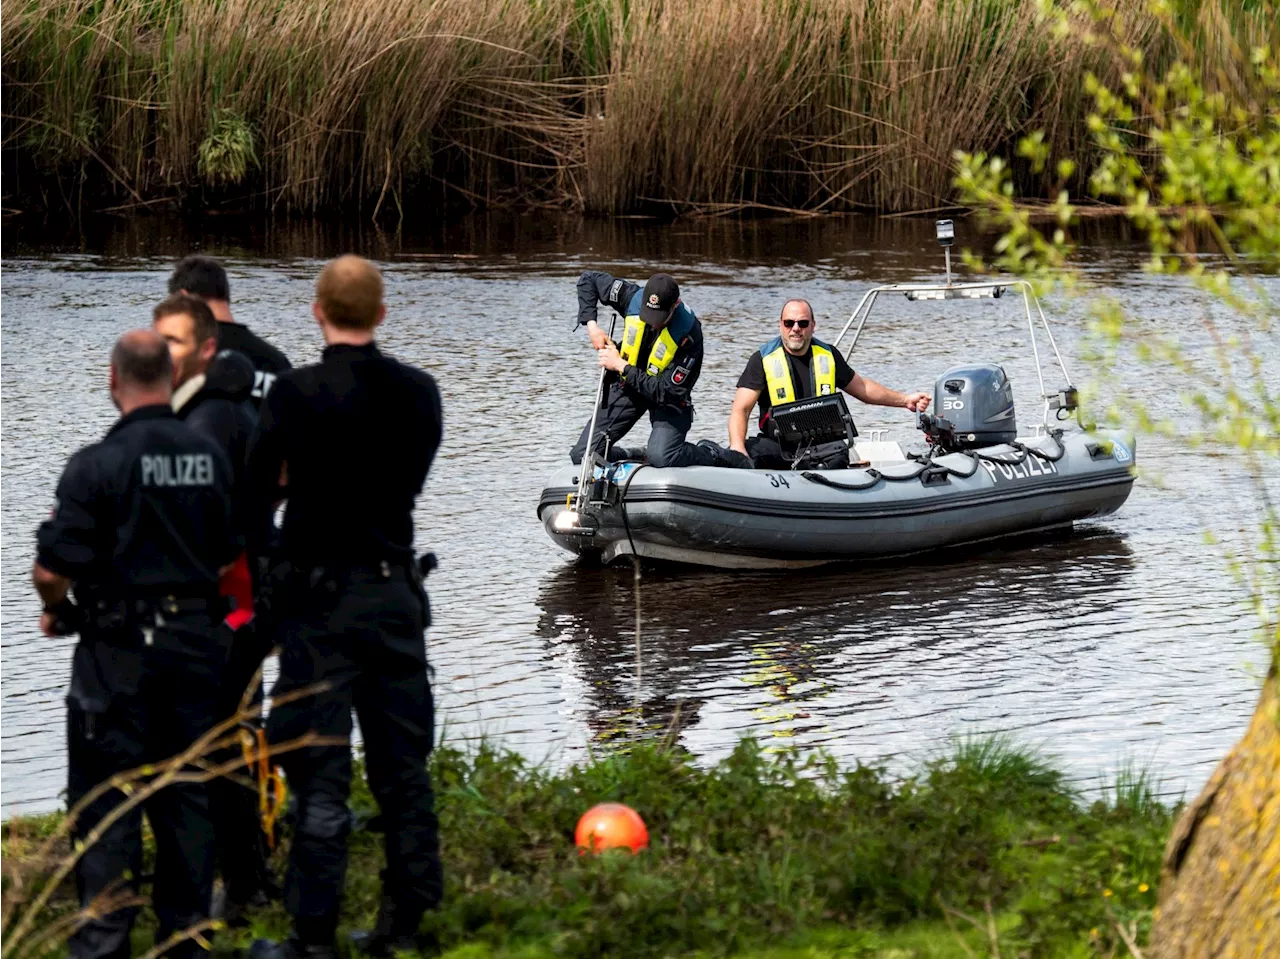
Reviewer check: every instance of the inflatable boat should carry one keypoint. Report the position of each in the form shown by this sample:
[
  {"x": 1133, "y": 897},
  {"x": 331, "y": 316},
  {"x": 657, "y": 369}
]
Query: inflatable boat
[{"x": 973, "y": 478}]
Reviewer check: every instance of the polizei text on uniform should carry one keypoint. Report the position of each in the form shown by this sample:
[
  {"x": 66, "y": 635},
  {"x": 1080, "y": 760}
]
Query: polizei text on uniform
[{"x": 188, "y": 469}]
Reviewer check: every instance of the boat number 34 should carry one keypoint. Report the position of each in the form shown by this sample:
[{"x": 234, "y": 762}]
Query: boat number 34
[{"x": 777, "y": 479}]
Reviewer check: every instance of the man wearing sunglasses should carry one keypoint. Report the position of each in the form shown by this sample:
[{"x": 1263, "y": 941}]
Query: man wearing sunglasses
[
  {"x": 655, "y": 366},
  {"x": 795, "y": 366}
]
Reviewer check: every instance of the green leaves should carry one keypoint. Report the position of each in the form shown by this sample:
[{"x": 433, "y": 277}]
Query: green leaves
[{"x": 1192, "y": 158}]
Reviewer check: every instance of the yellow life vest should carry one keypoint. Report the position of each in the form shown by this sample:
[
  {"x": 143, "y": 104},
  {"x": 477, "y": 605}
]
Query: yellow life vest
[
  {"x": 661, "y": 353},
  {"x": 777, "y": 373}
]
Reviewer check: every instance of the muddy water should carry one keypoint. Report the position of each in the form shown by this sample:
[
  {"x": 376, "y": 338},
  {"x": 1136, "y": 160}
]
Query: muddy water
[{"x": 1124, "y": 643}]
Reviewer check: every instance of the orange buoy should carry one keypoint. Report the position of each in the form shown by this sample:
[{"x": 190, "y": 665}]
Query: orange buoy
[{"x": 611, "y": 825}]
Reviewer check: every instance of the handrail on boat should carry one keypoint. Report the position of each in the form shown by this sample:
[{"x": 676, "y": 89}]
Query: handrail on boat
[{"x": 965, "y": 291}]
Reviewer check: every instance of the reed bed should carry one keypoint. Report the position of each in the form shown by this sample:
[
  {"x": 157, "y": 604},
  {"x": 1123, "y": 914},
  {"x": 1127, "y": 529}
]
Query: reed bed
[{"x": 608, "y": 106}]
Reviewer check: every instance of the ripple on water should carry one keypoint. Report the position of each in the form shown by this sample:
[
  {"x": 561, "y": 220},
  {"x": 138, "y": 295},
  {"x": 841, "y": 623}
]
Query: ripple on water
[{"x": 1125, "y": 643}]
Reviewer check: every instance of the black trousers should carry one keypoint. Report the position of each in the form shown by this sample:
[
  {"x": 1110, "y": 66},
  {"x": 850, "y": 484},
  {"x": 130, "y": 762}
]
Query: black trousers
[
  {"x": 667, "y": 447},
  {"x": 242, "y": 850},
  {"x": 362, "y": 635},
  {"x": 171, "y": 706}
]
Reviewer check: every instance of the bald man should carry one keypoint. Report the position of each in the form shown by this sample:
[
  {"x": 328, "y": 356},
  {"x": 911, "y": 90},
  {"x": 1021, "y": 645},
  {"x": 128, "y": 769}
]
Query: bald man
[
  {"x": 141, "y": 529},
  {"x": 355, "y": 436},
  {"x": 795, "y": 366}
]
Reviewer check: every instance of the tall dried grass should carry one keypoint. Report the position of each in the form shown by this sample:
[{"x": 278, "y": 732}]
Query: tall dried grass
[{"x": 604, "y": 105}]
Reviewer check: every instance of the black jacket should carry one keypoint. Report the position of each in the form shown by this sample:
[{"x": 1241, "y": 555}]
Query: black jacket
[
  {"x": 147, "y": 511},
  {"x": 356, "y": 434},
  {"x": 266, "y": 359}
]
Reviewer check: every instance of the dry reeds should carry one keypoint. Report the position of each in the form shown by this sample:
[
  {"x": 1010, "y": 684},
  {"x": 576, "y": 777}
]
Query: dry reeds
[{"x": 603, "y": 105}]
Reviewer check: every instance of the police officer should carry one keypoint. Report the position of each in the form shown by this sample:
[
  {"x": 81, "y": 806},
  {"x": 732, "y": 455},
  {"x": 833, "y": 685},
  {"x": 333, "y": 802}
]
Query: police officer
[
  {"x": 355, "y": 435},
  {"x": 142, "y": 527},
  {"x": 794, "y": 366},
  {"x": 212, "y": 399},
  {"x": 203, "y": 276},
  {"x": 654, "y": 370},
  {"x": 212, "y": 395}
]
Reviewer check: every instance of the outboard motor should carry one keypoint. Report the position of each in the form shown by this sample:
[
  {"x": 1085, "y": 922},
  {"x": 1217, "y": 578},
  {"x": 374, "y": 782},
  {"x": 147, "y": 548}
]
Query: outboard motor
[{"x": 973, "y": 406}]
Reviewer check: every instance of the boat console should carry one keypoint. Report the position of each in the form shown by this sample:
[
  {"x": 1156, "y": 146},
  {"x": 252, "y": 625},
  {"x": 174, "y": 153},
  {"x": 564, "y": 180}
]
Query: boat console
[{"x": 811, "y": 422}]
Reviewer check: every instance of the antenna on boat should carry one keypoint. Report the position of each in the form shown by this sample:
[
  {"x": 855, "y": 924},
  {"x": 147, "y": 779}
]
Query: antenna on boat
[{"x": 946, "y": 236}]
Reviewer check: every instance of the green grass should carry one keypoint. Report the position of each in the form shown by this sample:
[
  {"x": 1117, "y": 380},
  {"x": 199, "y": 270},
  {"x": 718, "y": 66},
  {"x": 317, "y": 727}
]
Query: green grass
[
  {"x": 774, "y": 855},
  {"x": 759, "y": 848}
]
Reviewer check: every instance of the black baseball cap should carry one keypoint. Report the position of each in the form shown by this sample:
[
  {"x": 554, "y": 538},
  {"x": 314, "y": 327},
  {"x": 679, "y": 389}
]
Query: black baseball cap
[{"x": 660, "y": 297}]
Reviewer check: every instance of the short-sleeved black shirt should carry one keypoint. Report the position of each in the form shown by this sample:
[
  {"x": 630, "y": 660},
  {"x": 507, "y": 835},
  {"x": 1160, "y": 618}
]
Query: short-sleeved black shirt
[
  {"x": 753, "y": 377},
  {"x": 147, "y": 510},
  {"x": 356, "y": 434},
  {"x": 268, "y": 362}
]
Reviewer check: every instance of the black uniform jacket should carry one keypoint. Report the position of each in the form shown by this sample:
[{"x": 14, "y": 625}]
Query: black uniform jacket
[
  {"x": 227, "y": 419},
  {"x": 674, "y": 386},
  {"x": 266, "y": 359},
  {"x": 356, "y": 434},
  {"x": 145, "y": 512}
]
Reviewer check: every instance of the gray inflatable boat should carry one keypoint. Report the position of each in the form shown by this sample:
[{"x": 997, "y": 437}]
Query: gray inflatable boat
[{"x": 975, "y": 479}]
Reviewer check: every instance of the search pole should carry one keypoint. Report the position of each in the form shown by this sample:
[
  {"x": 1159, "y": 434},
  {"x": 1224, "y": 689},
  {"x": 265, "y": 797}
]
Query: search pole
[{"x": 589, "y": 454}]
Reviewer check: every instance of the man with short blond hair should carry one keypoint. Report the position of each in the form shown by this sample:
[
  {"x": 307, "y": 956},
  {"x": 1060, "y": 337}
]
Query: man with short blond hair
[
  {"x": 349, "y": 294},
  {"x": 355, "y": 435}
]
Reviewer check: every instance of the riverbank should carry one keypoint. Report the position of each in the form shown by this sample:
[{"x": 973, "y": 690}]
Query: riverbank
[
  {"x": 604, "y": 106},
  {"x": 769, "y": 854}
]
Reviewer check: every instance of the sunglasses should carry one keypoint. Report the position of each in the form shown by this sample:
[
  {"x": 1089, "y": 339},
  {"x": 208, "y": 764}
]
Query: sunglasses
[{"x": 803, "y": 324}]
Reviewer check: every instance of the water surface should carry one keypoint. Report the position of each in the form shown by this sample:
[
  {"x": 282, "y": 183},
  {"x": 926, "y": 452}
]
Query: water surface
[{"x": 1123, "y": 643}]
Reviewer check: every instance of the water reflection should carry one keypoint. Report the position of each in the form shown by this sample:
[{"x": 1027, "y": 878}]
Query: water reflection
[{"x": 787, "y": 640}]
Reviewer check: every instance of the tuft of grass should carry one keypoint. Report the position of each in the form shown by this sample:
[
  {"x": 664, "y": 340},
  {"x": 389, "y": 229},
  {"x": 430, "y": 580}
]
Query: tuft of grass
[
  {"x": 609, "y": 106},
  {"x": 228, "y": 151}
]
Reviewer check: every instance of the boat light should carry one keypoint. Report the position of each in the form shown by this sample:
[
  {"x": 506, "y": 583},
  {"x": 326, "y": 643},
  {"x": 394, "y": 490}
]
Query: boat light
[
  {"x": 992, "y": 291},
  {"x": 946, "y": 231},
  {"x": 566, "y": 521}
]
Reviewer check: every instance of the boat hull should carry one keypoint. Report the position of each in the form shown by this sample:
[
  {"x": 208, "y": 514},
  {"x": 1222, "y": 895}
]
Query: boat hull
[{"x": 762, "y": 519}]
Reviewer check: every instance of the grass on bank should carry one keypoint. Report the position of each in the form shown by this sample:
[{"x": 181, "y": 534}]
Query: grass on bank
[
  {"x": 610, "y": 106},
  {"x": 775, "y": 855}
]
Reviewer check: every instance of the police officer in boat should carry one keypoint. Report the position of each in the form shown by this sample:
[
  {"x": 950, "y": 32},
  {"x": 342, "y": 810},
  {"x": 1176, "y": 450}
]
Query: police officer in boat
[
  {"x": 654, "y": 370},
  {"x": 795, "y": 366},
  {"x": 141, "y": 531}
]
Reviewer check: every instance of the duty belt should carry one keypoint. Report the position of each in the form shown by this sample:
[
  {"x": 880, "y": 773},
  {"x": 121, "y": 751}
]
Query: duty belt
[
  {"x": 376, "y": 571},
  {"x": 114, "y": 614}
]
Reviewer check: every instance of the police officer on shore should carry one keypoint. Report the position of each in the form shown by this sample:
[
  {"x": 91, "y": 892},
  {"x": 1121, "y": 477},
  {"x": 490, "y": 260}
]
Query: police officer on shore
[
  {"x": 210, "y": 389},
  {"x": 654, "y": 370},
  {"x": 355, "y": 436},
  {"x": 203, "y": 276},
  {"x": 212, "y": 394},
  {"x": 142, "y": 527}
]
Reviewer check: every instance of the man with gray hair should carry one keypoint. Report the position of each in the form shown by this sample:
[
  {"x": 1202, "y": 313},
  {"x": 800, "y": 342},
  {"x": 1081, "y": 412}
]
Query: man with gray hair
[{"x": 140, "y": 532}]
